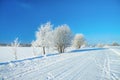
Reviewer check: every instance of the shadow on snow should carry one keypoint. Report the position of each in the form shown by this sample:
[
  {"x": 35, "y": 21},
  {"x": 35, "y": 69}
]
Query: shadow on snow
[
  {"x": 81, "y": 50},
  {"x": 5, "y": 63}
]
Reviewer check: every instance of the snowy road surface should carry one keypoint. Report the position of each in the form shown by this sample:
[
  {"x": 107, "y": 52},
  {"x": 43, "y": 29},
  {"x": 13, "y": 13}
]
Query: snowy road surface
[{"x": 89, "y": 64}]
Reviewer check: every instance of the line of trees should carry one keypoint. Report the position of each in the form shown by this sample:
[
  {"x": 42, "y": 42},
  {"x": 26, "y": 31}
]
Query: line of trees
[{"x": 60, "y": 37}]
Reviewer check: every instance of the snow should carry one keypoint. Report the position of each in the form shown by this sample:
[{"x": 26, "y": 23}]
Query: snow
[
  {"x": 83, "y": 64},
  {"x": 6, "y": 53}
]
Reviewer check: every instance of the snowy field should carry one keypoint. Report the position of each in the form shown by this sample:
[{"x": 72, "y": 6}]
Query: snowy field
[
  {"x": 6, "y": 53},
  {"x": 83, "y": 64}
]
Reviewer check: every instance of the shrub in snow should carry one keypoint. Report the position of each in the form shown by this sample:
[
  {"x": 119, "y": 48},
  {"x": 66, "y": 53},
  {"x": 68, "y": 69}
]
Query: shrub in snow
[
  {"x": 62, "y": 37},
  {"x": 43, "y": 36},
  {"x": 115, "y": 44},
  {"x": 78, "y": 41},
  {"x": 15, "y": 45}
]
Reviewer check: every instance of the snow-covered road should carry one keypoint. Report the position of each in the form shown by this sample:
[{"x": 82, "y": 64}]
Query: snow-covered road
[{"x": 88, "y": 64}]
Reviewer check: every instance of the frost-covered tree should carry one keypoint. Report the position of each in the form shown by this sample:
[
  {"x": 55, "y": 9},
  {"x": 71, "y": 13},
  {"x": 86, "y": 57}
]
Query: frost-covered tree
[
  {"x": 15, "y": 45},
  {"x": 34, "y": 45},
  {"x": 62, "y": 37},
  {"x": 78, "y": 41},
  {"x": 43, "y": 36}
]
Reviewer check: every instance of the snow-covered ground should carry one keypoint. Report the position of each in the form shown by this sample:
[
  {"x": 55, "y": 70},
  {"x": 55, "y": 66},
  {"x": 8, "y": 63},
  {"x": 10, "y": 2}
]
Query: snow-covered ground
[
  {"x": 84, "y": 64},
  {"x": 6, "y": 53}
]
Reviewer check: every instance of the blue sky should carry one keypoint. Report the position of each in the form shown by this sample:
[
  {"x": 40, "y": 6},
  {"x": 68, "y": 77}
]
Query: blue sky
[{"x": 98, "y": 20}]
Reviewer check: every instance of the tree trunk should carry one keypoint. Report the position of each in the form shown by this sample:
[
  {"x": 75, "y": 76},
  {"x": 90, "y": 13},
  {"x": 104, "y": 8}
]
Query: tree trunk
[
  {"x": 60, "y": 50},
  {"x": 63, "y": 49},
  {"x": 79, "y": 46},
  {"x": 44, "y": 50}
]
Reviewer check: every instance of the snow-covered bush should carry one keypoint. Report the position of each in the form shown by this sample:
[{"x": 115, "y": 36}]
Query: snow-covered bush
[
  {"x": 115, "y": 44},
  {"x": 78, "y": 41},
  {"x": 62, "y": 37},
  {"x": 43, "y": 36},
  {"x": 15, "y": 44}
]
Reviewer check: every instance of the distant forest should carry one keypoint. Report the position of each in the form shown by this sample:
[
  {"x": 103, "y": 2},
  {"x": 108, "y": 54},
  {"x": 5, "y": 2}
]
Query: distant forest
[{"x": 21, "y": 44}]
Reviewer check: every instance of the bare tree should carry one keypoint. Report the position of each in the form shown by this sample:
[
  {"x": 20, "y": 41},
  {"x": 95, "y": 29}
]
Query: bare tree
[
  {"x": 78, "y": 41},
  {"x": 15, "y": 45},
  {"x": 62, "y": 37}
]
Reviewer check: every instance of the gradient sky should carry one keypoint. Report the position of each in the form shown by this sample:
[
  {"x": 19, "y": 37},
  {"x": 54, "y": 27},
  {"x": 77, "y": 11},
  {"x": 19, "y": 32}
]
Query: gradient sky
[{"x": 98, "y": 20}]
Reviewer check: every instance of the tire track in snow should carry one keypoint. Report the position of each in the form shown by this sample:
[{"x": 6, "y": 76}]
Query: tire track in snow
[
  {"x": 29, "y": 70},
  {"x": 66, "y": 75},
  {"x": 60, "y": 69},
  {"x": 87, "y": 70},
  {"x": 107, "y": 74},
  {"x": 38, "y": 69},
  {"x": 113, "y": 50},
  {"x": 50, "y": 68},
  {"x": 79, "y": 70}
]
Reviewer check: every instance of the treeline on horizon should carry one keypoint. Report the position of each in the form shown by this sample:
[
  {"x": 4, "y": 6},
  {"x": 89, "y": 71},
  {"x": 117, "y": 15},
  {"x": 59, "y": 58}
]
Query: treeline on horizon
[
  {"x": 21, "y": 44},
  {"x": 30, "y": 45}
]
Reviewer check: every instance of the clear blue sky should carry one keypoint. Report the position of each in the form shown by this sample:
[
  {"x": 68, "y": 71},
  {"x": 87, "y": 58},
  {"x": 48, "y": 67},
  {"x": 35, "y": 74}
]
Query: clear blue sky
[{"x": 98, "y": 20}]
